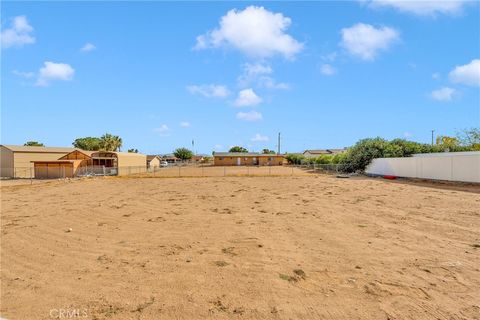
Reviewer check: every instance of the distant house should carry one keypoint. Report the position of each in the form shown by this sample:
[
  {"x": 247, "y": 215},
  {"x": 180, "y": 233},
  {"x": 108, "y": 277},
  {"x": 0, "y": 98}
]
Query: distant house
[
  {"x": 170, "y": 158},
  {"x": 320, "y": 152},
  {"x": 247, "y": 159},
  {"x": 153, "y": 161}
]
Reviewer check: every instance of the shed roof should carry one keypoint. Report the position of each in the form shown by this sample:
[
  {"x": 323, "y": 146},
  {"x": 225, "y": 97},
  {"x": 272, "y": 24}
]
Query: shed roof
[
  {"x": 15, "y": 148},
  {"x": 150, "y": 157}
]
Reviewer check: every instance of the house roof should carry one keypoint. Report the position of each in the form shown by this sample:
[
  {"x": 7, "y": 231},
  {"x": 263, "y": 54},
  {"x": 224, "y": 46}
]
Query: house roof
[
  {"x": 38, "y": 149},
  {"x": 245, "y": 154},
  {"x": 324, "y": 151},
  {"x": 151, "y": 157}
]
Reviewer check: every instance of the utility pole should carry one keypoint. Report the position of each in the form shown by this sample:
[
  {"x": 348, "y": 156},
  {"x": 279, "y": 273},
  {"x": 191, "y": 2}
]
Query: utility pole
[
  {"x": 432, "y": 136},
  {"x": 278, "y": 143}
]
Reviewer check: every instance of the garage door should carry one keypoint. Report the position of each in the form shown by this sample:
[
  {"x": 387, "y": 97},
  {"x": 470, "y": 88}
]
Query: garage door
[{"x": 53, "y": 170}]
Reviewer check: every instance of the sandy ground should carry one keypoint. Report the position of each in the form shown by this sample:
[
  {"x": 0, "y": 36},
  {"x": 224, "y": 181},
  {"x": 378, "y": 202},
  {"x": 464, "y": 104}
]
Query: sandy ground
[{"x": 300, "y": 247}]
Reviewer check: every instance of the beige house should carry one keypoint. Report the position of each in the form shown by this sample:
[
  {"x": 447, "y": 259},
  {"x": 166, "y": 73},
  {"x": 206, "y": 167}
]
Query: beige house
[
  {"x": 45, "y": 162},
  {"x": 153, "y": 161},
  {"x": 16, "y": 161},
  {"x": 247, "y": 159}
]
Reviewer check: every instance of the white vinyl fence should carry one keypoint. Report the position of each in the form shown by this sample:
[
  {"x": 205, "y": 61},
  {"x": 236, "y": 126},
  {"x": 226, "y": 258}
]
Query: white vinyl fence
[{"x": 452, "y": 166}]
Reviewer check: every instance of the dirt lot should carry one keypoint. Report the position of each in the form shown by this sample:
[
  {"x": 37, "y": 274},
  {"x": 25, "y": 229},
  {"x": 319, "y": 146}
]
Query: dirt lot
[{"x": 300, "y": 247}]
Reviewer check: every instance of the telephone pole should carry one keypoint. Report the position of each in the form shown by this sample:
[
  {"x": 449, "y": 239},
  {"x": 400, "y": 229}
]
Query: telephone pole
[
  {"x": 278, "y": 152},
  {"x": 432, "y": 136}
]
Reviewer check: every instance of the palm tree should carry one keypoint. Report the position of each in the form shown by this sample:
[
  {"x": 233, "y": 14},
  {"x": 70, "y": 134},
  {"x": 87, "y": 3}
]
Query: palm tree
[
  {"x": 110, "y": 142},
  {"x": 117, "y": 143}
]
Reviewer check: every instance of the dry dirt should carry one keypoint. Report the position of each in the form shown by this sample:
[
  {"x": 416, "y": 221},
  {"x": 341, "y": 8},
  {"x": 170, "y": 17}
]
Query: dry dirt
[{"x": 300, "y": 247}]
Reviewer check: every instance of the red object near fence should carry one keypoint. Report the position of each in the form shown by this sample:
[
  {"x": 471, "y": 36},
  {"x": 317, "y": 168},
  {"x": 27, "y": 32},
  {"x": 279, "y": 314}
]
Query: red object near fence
[{"x": 390, "y": 177}]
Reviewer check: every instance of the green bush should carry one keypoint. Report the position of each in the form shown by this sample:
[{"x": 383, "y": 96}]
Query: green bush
[{"x": 358, "y": 157}]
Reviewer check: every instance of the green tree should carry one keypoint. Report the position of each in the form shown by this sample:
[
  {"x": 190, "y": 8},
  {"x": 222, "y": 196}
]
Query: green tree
[
  {"x": 470, "y": 138},
  {"x": 109, "y": 142},
  {"x": 293, "y": 158},
  {"x": 33, "y": 144},
  {"x": 447, "y": 142},
  {"x": 87, "y": 143},
  {"x": 133, "y": 150},
  {"x": 268, "y": 151},
  {"x": 183, "y": 154},
  {"x": 238, "y": 149},
  {"x": 363, "y": 152}
]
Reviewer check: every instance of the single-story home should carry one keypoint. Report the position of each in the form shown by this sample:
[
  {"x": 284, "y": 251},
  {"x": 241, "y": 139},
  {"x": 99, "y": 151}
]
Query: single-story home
[
  {"x": 320, "y": 152},
  {"x": 47, "y": 162},
  {"x": 170, "y": 158},
  {"x": 247, "y": 159},
  {"x": 153, "y": 161}
]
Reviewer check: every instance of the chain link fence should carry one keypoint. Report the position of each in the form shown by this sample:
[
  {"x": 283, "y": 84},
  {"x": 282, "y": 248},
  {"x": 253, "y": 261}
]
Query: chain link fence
[{"x": 175, "y": 170}]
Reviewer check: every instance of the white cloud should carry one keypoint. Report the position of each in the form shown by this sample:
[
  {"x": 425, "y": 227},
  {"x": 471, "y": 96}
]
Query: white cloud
[
  {"x": 259, "y": 74},
  {"x": 18, "y": 34},
  {"x": 254, "y": 31},
  {"x": 247, "y": 97},
  {"x": 259, "y": 138},
  {"x": 22, "y": 74},
  {"x": 209, "y": 90},
  {"x": 443, "y": 94},
  {"x": 327, "y": 69},
  {"x": 366, "y": 41},
  {"x": 249, "y": 116},
  {"x": 163, "y": 130},
  {"x": 52, "y": 71},
  {"x": 184, "y": 124},
  {"x": 468, "y": 74},
  {"x": 436, "y": 76},
  {"x": 88, "y": 47},
  {"x": 422, "y": 7}
]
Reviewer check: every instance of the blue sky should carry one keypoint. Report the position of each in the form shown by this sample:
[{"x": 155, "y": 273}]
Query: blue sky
[{"x": 324, "y": 74}]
